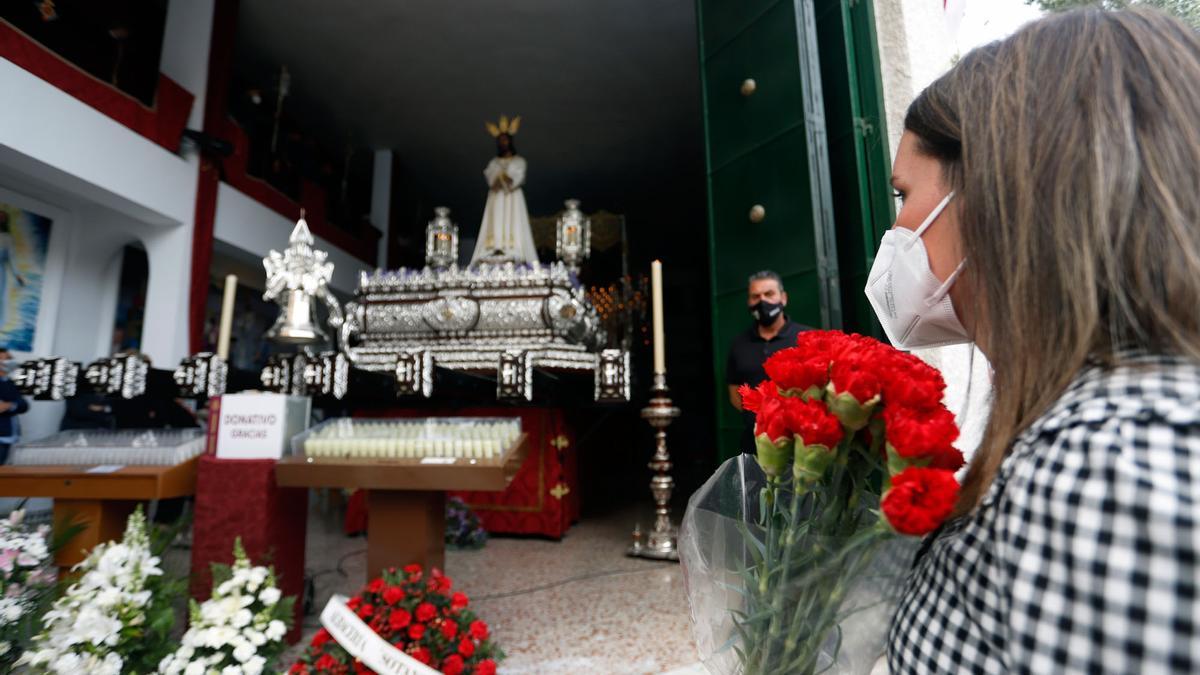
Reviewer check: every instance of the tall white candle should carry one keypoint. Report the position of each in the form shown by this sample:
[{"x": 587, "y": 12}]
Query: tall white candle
[
  {"x": 226, "y": 316},
  {"x": 660, "y": 345}
]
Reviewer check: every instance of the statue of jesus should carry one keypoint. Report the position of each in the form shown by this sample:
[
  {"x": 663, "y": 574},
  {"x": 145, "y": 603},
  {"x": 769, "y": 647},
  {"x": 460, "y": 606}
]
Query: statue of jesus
[{"x": 505, "y": 234}]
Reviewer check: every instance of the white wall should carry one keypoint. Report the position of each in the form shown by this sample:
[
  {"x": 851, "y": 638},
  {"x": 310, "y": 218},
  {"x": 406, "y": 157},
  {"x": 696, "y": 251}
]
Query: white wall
[
  {"x": 185, "y": 50},
  {"x": 105, "y": 186},
  {"x": 80, "y": 285},
  {"x": 915, "y": 47},
  {"x": 58, "y": 139},
  {"x": 252, "y": 227}
]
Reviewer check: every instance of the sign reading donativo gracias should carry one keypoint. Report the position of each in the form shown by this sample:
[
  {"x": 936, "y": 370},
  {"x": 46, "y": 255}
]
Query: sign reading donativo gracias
[{"x": 259, "y": 426}]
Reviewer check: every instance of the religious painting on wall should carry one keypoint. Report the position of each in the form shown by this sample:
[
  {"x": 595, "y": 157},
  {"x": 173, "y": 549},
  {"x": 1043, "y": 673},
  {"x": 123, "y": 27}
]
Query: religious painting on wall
[{"x": 24, "y": 237}]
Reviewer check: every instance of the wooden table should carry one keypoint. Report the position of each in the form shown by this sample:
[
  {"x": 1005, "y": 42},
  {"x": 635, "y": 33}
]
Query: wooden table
[
  {"x": 406, "y": 498},
  {"x": 101, "y": 502}
]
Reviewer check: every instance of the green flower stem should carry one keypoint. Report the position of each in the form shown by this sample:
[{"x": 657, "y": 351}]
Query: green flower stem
[
  {"x": 762, "y": 586},
  {"x": 828, "y": 617},
  {"x": 774, "y": 628},
  {"x": 788, "y": 620}
]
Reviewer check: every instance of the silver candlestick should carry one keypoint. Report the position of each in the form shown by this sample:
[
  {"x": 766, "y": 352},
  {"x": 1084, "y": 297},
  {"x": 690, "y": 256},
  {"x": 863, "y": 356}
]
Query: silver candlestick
[{"x": 659, "y": 542}]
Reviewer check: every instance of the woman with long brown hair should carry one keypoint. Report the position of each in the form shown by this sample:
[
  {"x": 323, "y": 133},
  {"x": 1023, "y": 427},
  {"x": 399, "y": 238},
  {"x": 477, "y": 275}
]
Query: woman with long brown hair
[{"x": 1051, "y": 214}]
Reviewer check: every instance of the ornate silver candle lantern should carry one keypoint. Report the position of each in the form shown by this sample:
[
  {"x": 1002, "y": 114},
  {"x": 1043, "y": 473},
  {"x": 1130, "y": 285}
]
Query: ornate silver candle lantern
[
  {"x": 121, "y": 375},
  {"x": 441, "y": 240},
  {"x": 573, "y": 243},
  {"x": 203, "y": 375},
  {"x": 52, "y": 379},
  {"x": 294, "y": 279}
]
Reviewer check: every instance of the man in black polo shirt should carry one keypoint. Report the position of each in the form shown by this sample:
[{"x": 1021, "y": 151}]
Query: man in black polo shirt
[{"x": 772, "y": 331}]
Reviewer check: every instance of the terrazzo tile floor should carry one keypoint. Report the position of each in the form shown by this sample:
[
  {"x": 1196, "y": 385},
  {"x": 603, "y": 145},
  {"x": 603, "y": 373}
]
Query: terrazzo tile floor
[{"x": 577, "y": 606}]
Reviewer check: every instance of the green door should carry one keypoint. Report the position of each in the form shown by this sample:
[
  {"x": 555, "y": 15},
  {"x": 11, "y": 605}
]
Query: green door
[
  {"x": 773, "y": 201},
  {"x": 768, "y": 175},
  {"x": 859, "y": 160}
]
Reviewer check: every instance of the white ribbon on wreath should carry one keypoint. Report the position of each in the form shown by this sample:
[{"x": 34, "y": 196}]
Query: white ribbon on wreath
[{"x": 361, "y": 642}]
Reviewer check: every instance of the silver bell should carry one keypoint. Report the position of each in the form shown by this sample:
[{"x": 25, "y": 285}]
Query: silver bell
[{"x": 297, "y": 323}]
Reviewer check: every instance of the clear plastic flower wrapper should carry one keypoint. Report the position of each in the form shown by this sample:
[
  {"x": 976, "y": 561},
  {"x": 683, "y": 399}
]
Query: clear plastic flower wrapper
[
  {"x": 794, "y": 558},
  {"x": 722, "y": 530}
]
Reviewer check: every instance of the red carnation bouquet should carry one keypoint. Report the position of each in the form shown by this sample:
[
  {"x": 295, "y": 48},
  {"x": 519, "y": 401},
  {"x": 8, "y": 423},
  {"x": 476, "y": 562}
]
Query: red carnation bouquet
[
  {"x": 791, "y": 565},
  {"x": 421, "y": 616}
]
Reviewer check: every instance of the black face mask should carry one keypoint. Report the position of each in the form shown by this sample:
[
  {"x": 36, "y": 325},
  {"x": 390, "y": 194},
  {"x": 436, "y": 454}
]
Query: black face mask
[{"x": 765, "y": 313}]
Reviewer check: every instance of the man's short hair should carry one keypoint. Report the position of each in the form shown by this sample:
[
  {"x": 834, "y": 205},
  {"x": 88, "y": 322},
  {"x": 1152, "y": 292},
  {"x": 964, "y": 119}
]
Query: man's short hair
[{"x": 765, "y": 274}]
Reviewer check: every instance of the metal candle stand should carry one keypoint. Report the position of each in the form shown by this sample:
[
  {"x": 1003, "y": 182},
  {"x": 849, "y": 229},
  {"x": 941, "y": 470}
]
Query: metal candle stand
[{"x": 660, "y": 542}]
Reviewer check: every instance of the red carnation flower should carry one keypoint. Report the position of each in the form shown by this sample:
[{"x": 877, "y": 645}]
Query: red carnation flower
[
  {"x": 910, "y": 382},
  {"x": 393, "y": 594},
  {"x": 399, "y": 618},
  {"x": 920, "y": 500},
  {"x": 449, "y": 630},
  {"x": 426, "y": 612},
  {"x": 795, "y": 370},
  {"x": 421, "y": 654},
  {"x": 924, "y": 434},
  {"x": 354, "y": 602},
  {"x": 812, "y": 422},
  {"x": 825, "y": 343},
  {"x": 752, "y": 398},
  {"x": 321, "y": 637},
  {"x": 458, "y": 601},
  {"x": 326, "y": 662},
  {"x": 452, "y": 665},
  {"x": 361, "y": 669},
  {"x": 366, "y": 611},
  {"x": 376, "y": 585},
  {"x": 478, "y": 630},
  {"x": 466, "y": 648},
  {"x": 416, "y": 631},
  {"x": 767, "y": 405},
  {"x": 858, "y": 375},
  {"x": 298, "y": 669},
  {"x": 485, "y": 667},
  {"x": 413, "y": 572},
  {"x": 444, "y": 584}
]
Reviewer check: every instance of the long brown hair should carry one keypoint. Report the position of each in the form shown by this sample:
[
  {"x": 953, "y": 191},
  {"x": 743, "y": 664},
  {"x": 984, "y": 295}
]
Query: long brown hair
[{"x": 1074, "y": 148}]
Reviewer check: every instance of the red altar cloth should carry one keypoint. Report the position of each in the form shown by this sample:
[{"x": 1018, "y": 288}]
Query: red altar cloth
[
  {"x": 543, "y": 497},
  {"x": 239, "y": 498}
]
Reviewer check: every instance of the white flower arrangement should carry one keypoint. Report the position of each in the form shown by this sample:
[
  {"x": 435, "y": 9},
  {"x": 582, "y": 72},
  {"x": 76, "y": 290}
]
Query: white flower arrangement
[
  {"x": 240, "y": 629},
  {"x": 115, "y": 618},
  {"x": 27, "y": 579}
]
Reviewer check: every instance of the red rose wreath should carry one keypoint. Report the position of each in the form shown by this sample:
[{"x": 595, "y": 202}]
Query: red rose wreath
[{"x": 418, "y": 615}]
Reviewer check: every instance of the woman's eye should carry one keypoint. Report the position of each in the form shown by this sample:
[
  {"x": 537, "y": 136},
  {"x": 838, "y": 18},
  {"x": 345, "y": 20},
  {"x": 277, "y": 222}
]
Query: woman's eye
[{"x": 898, "y": 195}]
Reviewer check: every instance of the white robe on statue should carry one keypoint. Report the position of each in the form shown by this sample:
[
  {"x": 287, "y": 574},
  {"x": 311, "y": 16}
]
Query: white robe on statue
[{"x": 505, "y": 225}]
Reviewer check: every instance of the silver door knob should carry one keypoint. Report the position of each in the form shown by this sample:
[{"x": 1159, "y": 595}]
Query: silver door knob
[
  {"x": 757, "y": 213},
  {"x": 749, "y": 86}
]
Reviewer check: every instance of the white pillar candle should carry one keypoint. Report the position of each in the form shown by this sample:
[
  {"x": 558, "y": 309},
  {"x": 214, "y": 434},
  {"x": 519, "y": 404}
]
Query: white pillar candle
[
  {"x": 660, "y": 347},
  {"x": 226, "y": 317}
]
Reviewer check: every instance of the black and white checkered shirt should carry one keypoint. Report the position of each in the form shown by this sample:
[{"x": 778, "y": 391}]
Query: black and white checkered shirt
[{"x": 1084, "y": 555}]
